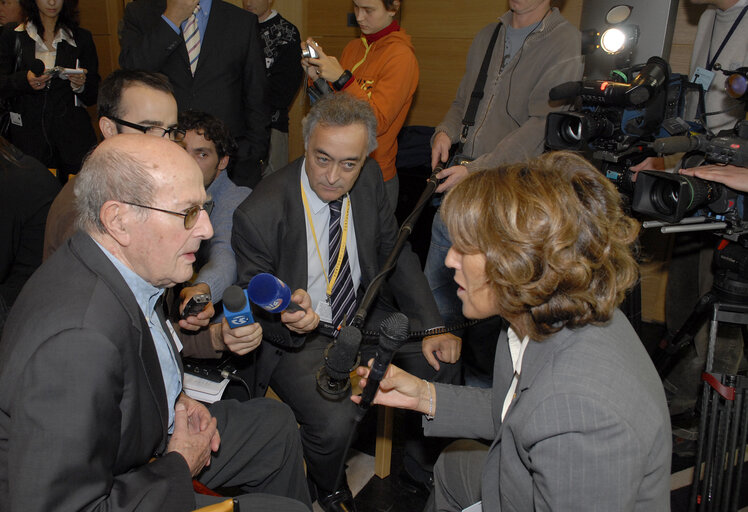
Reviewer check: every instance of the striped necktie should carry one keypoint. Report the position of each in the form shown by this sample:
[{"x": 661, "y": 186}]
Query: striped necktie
[
  {"x": 343, "y": 297},
  {"x": 191, "y": 34}
]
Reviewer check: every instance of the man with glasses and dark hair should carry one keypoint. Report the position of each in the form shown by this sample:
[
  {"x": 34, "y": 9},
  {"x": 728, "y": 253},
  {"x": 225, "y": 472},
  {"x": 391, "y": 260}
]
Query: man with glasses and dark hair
[
  {"x": 129, "y": 102},
  {"x": 90, "y": 373},
  {"x": 208, "y": 140}
]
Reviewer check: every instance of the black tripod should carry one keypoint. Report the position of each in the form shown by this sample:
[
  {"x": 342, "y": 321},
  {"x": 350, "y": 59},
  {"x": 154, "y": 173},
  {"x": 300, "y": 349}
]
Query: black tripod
[{"x": 723, "y": 423}]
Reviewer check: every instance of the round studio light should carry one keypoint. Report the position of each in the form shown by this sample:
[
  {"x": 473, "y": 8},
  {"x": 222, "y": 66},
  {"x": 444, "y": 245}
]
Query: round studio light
[{"x": 613, "y": 40}]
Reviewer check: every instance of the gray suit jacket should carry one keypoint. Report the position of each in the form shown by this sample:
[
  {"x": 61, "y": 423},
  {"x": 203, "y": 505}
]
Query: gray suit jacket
[
  {"x": 588, "y": 430},
  {"x": 82, "y": 401},
  {"x": 269, "y": 235}
]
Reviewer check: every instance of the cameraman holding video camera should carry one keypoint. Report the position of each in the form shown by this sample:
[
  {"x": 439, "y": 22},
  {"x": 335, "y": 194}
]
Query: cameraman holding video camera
[{"x": 721, "y": 38}]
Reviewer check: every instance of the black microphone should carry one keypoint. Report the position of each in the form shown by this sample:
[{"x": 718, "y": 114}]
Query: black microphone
[
  {"x": 670, "y": 145},
  {"x": 37, "y": 67},
  {"x": 392, "y": 334},
  {"x": 565, "y": 91},
  {"x": 341, "y": 358}
]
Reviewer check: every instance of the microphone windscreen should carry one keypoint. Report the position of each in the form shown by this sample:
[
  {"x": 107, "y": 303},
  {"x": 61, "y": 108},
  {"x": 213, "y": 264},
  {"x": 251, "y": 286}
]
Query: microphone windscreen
[
  {"x": 393, "y": 331},
  {"x": 343, "y": 354},
  {"x": 234, "y": 298},
  {"x": 37, "y": 67},
  {"x": 565, "y": 91},
  {"x": 670, "y": 145},
  {"x": 269, "y": 292}
]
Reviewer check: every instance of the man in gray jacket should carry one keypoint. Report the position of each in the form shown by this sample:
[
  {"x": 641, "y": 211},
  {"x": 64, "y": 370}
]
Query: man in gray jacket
[{"x": 536, "y": 49}]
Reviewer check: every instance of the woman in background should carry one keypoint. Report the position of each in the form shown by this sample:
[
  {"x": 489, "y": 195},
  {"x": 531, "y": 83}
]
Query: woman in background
[
  {"x": 11, "y": 13},
  {"x": 380, "y": 67},
  {"x": 49, "y": 120},
  {"x": 576, "y": 417}
]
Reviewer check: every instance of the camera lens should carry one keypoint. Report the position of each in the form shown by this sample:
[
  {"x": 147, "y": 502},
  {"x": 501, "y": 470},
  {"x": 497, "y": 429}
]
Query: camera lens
[{"x": 571, "y": 130}]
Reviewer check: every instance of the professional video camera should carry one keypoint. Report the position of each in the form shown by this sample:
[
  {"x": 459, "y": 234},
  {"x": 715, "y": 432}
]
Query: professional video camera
[
  {"x": 615, "y": 120},
  {"x": 670, "y": 197}
]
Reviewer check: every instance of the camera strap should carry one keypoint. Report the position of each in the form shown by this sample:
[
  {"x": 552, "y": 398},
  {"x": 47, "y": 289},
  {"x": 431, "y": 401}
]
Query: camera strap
[
  {"x": 477, "y": 94},
  {"x": 710, "y": 62}
]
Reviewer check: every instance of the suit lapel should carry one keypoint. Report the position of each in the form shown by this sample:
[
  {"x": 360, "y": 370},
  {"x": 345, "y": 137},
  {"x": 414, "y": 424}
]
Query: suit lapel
[
  {"x": 207, "y": 43},
  {"x": 295, "y": 226},
  {"x": 91, "y": 256},
  {"x": 364, "y": 211}
]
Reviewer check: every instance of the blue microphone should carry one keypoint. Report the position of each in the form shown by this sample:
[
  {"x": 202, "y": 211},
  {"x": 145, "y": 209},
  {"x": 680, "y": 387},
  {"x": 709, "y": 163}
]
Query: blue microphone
[
  {"x": 271, "y": 294},
  {"x": 236, "y": 307}
]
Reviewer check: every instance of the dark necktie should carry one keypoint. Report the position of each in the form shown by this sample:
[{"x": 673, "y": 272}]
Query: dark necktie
[{"x": 343, "y": 297}]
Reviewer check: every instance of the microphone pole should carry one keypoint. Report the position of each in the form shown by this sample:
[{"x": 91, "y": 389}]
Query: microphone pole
[{"x": 405, "y": 230}]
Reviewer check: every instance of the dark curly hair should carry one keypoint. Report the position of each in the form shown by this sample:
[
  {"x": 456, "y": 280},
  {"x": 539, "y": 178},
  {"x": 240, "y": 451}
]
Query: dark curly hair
[
  {"x": 210, "y": 127},
  {"x": 68, "y": 17},
  {"x": 558, "y": 246}
]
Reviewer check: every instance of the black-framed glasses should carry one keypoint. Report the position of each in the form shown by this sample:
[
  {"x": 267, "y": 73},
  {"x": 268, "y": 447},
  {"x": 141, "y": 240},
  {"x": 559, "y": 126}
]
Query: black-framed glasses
[
  {"x": 174, "y": 133},
  {"x": 190, "y": 215}
]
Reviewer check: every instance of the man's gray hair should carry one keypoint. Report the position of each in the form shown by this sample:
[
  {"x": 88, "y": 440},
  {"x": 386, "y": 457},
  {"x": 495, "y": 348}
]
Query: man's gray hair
[
  {"x": 341, "y": 110},
  {"x": 110, "y": 174}
]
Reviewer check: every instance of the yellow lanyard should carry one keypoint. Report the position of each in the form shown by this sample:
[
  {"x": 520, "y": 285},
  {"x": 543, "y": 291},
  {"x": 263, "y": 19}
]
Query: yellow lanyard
[
  {"x": 341, "y": 252},
  {"x": 366, "y": 53}
]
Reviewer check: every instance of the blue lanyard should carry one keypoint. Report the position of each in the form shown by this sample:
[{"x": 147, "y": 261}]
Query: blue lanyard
[{"x": 710, "y": 63}]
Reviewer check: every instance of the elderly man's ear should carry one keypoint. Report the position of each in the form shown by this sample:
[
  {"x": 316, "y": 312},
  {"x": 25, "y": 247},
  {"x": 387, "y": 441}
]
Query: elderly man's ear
[
  {"x": 115, "y": 216},
  {"x": 108, "y": 127}
]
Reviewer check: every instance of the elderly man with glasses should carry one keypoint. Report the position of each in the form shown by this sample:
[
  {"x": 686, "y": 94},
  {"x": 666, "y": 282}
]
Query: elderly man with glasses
[{"x": 90, "y": 373}]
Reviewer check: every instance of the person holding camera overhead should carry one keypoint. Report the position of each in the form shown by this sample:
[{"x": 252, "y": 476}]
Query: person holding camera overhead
[
  {"x": 380, "y": 68},
  {"x": 49, "y": 71}
]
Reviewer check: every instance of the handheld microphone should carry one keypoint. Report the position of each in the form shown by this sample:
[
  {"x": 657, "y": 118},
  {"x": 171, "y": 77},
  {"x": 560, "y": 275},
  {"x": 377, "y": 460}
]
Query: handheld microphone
[
  {"x": 236, "y": 307},
  {"x": 392, "y": 334},
  {"x": 341, "y": 358},
  {"x": 37, "y": 67},
  {"x": 271, "y": 294}
]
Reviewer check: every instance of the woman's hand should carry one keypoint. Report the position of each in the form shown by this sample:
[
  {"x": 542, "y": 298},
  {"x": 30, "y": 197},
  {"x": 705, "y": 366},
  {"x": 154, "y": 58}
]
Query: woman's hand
[
  {"x": 78, "y": 80},
  {"x": 37, "y": 82},
  {"x": 324, "y": 66},
  {"x": 400, "y": 389}
]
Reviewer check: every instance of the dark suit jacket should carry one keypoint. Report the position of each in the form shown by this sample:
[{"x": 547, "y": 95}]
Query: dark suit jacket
[
  {"x": 589, "y": 428},
  {"x": 66, "y": 129},
  {"x": 82, "y": 401},
  {"x": 230, "y": 80},
  {"x": 269, "y": 235}
]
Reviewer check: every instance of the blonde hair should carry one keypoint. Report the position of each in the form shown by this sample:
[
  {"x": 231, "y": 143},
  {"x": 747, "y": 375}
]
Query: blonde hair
[{"x": 558, "y": 246}]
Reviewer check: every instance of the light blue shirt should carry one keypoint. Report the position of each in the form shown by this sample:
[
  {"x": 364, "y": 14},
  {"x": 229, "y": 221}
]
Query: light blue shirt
[
  {"x": 202, "y": 18},
  {"x": 147, "y": 295},
  {"x": 316, "y": 282}
]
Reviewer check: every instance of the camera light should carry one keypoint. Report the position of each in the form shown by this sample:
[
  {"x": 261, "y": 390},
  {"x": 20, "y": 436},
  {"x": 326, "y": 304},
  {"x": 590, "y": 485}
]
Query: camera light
[{"x": 613, "y": 40}]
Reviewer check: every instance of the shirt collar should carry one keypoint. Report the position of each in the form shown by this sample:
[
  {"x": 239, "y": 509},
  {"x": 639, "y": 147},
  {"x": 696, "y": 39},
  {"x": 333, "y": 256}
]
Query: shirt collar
[
  {"x": 204, "y": 10},
  {"x": 62, "y": 35},
  {"x": 145, "y": 293},
  {"x": 392, "y": 27},
  {"x": 516, "y": 349}
]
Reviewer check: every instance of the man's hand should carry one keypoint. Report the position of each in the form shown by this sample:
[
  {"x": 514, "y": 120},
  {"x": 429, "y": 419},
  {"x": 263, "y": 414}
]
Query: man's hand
[
  {"x": 731, "y": 175},
  {"x": 324, "y": 66},
  {"x": 301, "y": 322},
  {"x": 195, "y": 434},
  {"x": 398, "y": 389},
  {"x": 202, "y": 319},
  {"x": 179, "y": 10},
  {"x": 453, "y": 175},
  {"x": 239, "y": 340},
  {"x": 651, "y": 163},
  {"x": 446, "y": 346},
  {"x": 440, "y": 148}
]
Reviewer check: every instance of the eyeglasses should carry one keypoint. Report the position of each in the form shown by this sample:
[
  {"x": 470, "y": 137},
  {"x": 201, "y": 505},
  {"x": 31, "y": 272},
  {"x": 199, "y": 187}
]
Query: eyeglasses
[
  {"x": 190, "y": 214},
  {"x": 174, "y": 133}
]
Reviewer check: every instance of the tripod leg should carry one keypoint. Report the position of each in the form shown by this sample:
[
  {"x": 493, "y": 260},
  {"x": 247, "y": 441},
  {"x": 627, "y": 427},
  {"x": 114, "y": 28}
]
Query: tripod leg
[{"x": 667, "y": 358}]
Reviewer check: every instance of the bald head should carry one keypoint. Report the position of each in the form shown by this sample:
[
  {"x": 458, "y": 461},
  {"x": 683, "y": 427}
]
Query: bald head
[{"x": 127, "y": 168}]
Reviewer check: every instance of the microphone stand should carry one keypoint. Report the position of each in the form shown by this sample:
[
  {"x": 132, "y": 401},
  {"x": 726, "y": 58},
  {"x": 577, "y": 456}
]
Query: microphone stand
[
  {"x": 405, "y": 230},
  {"x": 373, "y": 290}
]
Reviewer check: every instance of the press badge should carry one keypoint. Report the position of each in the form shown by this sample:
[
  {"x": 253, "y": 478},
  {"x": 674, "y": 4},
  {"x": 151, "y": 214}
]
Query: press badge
[
  {"x": 15, "y": 118},
  {"x": 324, "y": 311},
  {"x": 703, "y": 77}
]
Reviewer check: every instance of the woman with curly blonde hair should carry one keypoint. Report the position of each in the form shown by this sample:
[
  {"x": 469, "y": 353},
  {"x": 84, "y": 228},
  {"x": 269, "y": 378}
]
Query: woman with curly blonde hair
[{"x": 577, "y": 414}]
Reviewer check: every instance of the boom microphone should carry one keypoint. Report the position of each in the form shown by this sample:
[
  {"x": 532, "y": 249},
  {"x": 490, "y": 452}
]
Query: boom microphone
[
  {"x": 271, "y": 294},
  {"x": 341, "y": 358},
  {"x": 236, "y": 307},
  {"x": 392, "y": 334}
]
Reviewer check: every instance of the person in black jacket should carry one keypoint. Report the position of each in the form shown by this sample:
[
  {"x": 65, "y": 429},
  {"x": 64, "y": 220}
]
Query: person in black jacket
[
  {"x": 26, "y": 193},
  {"x": 48, "y": 116}
]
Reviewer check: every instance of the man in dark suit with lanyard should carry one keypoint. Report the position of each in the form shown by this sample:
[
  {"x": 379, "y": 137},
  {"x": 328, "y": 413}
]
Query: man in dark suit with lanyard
[
  {"x": 324, "y": 226},
  {"x": 212, "y": 54}
]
